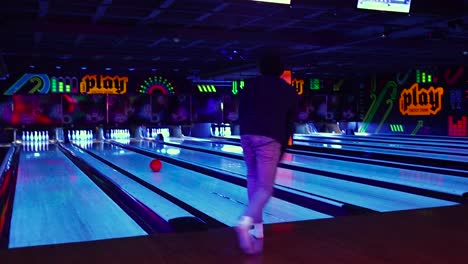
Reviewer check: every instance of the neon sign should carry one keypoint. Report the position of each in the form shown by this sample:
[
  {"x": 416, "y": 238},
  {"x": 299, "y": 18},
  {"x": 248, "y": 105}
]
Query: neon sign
[
  {"x": 63, "y": 84},
  {"x": 423, "y": 77},
  {"x": 299, "y": 85},
  {"x": 99, "y": 84},
  {"x": 236, "y": 85},
  {"x": 315, "y": 84},
  {"x": 417, "y": 101},
  {"x": 459, "y": 128},
  {"x": 40, "y": 84},
  {"x": 396, "y": 128},
  {"x": 206, "y": 88},
  {"x": 159, "y": 83}
]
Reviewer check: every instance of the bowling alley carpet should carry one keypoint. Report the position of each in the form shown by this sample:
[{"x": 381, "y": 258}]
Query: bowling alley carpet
[{"x": 436, "y": 235}]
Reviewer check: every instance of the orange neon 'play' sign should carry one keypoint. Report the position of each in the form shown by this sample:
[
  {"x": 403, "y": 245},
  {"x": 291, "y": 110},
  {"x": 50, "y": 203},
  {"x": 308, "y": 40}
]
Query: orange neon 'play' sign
[
  {"x": 416, "y": 101},
  {"x": 99, "y": 84}
]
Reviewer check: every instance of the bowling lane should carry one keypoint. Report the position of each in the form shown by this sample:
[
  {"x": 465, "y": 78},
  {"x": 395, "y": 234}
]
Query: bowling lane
[
  {"x": 390, "y": 140},
  {"x": 462, "y": 157},
  {"x": 406, "y": 137},
  {"x": 444, "y": 183},
  {"x": 371, "y": 197},
  {"x": 454, "y": 149},
  {"x": 427, "y": 180},
  {"x": 157, "y": 203},
  {"x": 3, "y": 151},
  {"x": 221, "y": 200},
  {"x": 55, "y": 202}
]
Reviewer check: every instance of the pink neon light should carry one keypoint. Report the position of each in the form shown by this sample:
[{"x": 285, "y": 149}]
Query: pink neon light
[
  {"x": 459, "y": 129},
  {"x": 157, "y": 87}
]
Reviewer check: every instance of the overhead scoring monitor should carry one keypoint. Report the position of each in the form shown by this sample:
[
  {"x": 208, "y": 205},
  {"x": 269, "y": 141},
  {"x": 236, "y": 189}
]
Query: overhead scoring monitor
[{"x": 402, "y": 6}]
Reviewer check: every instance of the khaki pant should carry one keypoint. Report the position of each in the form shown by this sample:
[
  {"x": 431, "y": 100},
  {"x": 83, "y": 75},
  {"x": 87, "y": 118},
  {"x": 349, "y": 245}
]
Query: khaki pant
[{"x": 261, "y": 155}]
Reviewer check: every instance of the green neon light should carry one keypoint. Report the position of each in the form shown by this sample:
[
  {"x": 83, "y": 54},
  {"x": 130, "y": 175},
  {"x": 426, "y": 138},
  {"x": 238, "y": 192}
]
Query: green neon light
[
  {"x": 377, "y": 101},
  {"x": 418, "y": 76},
  {"x": 53, "y": 85},
  {"x": 314, "y": 84},
  {"x": 429, "y": 78},
  {"x": 236, "y": 85},
  {"x": 60, "y": 87},
  {"x": 202, "y": 88},
  {"x": 67, "y": 88},
  {"x": 396, "y": 128},
  {"x": 418, "y": 126},
  {"x": 234, "y": 88}
]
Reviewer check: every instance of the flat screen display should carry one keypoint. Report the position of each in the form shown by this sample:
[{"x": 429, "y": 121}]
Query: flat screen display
[
  {"x": 231, "y": 108},
  {"x": 179, "y": 110},
  {"x": 36, "y": 110},
  {"x": 286, "y": 2},
  {"x": 402, "y": 6},
  {"x": 312, "y": 108},
  {"x": 129, "y": 109},
  {"x": 207, "y": 108},
  {"x": 82, "y": 110},
  {"x": 6, "y": 110}
]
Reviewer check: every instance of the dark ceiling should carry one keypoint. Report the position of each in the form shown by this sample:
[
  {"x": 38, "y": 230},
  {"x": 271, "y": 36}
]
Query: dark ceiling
[{"x": 210, "y": 38}]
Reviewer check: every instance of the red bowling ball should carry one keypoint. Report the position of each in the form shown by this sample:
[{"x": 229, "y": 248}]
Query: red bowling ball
[{"x": 155, "y": 165}]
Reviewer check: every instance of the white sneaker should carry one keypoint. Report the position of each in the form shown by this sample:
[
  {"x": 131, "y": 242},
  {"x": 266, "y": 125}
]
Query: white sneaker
[
  {"x": 245, "y": 238},
  {"x": 257, "y": 230}
]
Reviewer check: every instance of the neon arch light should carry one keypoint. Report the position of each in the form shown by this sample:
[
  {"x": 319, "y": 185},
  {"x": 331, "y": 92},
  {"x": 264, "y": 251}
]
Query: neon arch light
[{"x": 156, "y": 83}]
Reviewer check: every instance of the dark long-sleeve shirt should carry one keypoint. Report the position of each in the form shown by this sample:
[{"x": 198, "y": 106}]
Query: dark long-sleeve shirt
[{"x": 267, "y": 107}]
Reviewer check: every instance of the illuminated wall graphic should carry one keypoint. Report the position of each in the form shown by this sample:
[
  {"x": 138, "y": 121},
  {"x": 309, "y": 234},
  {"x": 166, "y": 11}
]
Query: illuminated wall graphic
[
  {"x": 206, "y": 88},
  {"x": 337, "y": 86},
  {"x": 402, "y": 78},
  {"x": 397, "y": 128},
  {"x": 299, "y": 85},
  {"x": 156, "y": 83},
  {"x": 417, "y": 101},
  {"x": 456, "y": 99},
  {"x": 30, "y": 83},
  {"x": 452, "y": 79},
  {"x": 64, "y": 84},
  {"x": 315, "y": 84},
  {"x": 287, "y": 76},
  {"x": 431, "y": 101},
  {"x": 236, "y": 85},
  {"x": 424, "y": 77},
  {"x": 458, "y": 129},
  {"x": 419, "y": 125},
  {"x": 101, "y": 84},
  {"x": 389, "y": 92}
]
